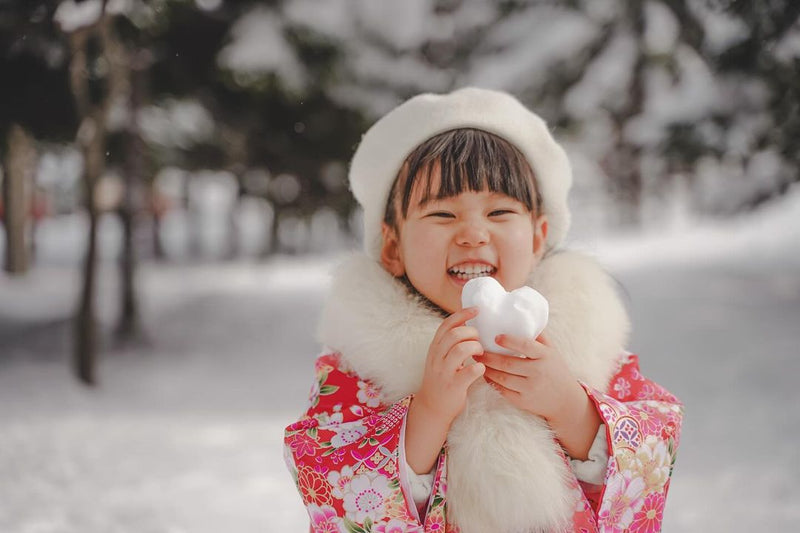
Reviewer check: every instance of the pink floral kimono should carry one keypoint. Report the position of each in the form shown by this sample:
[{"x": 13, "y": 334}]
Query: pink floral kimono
[{"x": 346, "y": 455}]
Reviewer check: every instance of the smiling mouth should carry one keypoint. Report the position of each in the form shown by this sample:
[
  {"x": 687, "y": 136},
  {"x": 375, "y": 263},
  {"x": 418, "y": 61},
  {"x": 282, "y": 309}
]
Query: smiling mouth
[{"x": 467, "y": 272}]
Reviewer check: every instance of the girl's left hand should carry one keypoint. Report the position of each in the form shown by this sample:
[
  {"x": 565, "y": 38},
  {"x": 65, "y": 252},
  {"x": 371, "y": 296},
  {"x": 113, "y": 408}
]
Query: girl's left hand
[{"x": 540, "y": 382}]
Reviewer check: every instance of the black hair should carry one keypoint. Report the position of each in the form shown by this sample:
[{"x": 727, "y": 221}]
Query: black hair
[{"x": 468, "y": 159}]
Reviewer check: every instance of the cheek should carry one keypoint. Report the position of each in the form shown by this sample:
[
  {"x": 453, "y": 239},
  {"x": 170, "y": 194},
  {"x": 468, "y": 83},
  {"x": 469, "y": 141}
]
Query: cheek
[
  {"x": 521, "y": 237},
  {"x": 421, "y": 244},
  {"x": 520, "y": 249}
]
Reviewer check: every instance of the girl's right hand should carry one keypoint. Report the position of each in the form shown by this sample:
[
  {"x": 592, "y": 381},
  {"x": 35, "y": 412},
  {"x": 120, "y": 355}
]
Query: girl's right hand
[{"x": 448, "y": 375}]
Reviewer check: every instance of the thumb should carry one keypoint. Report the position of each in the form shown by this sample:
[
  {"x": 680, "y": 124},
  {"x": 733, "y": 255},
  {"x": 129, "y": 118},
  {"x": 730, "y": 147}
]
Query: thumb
[{"x": 543, "y": 339}]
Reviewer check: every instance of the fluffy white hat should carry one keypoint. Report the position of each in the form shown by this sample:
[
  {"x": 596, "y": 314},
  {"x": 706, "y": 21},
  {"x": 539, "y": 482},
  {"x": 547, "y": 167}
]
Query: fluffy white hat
[{"x": 389, "y": 141}]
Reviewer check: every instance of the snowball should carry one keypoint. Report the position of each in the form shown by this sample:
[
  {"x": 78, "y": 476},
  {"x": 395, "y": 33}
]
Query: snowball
[{"x": 522, "y": 312}]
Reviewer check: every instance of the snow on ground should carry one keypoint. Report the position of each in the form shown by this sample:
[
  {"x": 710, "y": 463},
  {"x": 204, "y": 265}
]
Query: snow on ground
[{"x": 184, "y": 435}]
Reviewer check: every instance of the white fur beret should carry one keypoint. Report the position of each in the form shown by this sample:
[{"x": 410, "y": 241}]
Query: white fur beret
[{"x": 391, "y": 139}]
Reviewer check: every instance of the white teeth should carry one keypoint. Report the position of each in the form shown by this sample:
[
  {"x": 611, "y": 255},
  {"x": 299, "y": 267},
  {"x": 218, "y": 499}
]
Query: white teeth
[
  {"x": 459, "y": 275},
  {"x": 469, "y": 271}
]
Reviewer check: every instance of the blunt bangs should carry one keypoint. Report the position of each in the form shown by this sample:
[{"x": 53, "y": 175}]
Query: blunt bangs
[{"x": 467, "y": 160}]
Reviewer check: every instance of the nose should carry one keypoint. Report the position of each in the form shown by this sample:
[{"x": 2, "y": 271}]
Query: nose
[{"x": 472, "y": 233}]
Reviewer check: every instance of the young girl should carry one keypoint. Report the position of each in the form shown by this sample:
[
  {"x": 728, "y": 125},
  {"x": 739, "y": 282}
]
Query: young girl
[{"x": 412, "y": 425}]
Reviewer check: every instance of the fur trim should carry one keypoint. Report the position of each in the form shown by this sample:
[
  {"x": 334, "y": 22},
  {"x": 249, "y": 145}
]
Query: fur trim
[
  {"x": 588, "y": 322},
  {"x": 505, "y": 470}
]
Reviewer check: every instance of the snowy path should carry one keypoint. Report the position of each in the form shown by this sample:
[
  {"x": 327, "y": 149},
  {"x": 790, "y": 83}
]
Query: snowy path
[
  {"x": 185, "y": 437},
  {"x": 726, "y": 341}
]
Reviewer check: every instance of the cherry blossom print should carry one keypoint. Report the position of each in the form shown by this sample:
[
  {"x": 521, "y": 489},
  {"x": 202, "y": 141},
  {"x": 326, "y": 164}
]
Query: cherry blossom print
[
  {"x": 648, "y": 518},
  {"x": 343, "y": 454},
  {"x": 368, "y": 394},
  {"x": 347, "y": 434},
  {"x": 328, "y": 419},
  {"x": 339, "y": 480},
  {"x": 335, "y": 456},
  {"x": 646, "y": 392},
  {"x": 623, "y": 388},
  {"x": 366, "y": 496},
  {"x": 636, "y": 375},
  {"x": 652, "y": 463},
  {"x": 324, "y": 519},
  {"x": 623, "y": 498}
]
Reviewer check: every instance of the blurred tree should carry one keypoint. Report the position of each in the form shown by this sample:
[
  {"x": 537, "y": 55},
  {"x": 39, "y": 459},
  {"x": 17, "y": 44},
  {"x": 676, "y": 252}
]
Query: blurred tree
[
  {"x": 92, "y": 52},
  {"x": 130, "y": 61},
  {"x": 16, "y": 204},
  {"x": 658, "y": 92},
  {"x": 273, "y": 95},
  {"x": 36, "y": 106},
  {"x": 269, "y": 85},
  {"x": 764, "y": 59}
]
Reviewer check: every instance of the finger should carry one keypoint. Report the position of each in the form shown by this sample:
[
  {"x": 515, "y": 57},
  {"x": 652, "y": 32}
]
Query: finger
[
  {"x": 457, "y": 335},
  {"x": 511, "y": 382},
  {"x": 505, "y": 363},
  {"x": 457, "y": 356},
  {"x": 507, "y": 393},
  {"x": 456, "y": 319},
  {"x": 469, "y": 374},
  {"x": 528, "y": 347}
]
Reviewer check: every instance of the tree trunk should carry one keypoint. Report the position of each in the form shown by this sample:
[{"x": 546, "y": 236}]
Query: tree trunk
[
  {"x": 194, "y": 218},
  {"x": 272, "y": 244},
  {"x": 128, "y": 325},
  {"x": 85, "y": 354},
  {"x": 233, "y": 246},
  {"x": 92, "y": 141},
  {"x": 159, "y": 253},
  {"x": 20, "y": 164},
  {"x": 90, "y": 138},
  {"x": 128, "y": 322}
]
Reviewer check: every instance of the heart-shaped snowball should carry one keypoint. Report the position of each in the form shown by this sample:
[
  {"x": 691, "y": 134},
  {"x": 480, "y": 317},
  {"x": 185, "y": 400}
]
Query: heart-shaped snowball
[{"x": 522, "y": 312}]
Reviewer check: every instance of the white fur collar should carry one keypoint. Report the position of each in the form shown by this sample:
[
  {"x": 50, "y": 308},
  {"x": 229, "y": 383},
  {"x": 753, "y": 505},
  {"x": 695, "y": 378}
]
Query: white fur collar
[{"x": 505, "y": 472}]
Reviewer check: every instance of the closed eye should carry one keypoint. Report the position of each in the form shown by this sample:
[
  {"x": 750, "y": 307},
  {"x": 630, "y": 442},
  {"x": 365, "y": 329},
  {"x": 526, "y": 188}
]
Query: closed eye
[
  {"x": 441, "y": 214},
  {"x": 499, "y": 212}
]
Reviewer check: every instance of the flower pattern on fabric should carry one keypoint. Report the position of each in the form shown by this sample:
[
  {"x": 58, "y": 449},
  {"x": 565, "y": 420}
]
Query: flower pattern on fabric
[
  {"x": 313, "y": 486},
  {"x": 302, "y": 444},
  {"x": 366, "y": 496},
  {"x": 397, "y": 526},
  {"x": 643, "y": 436},
  {"x": 368, "y": 394},
  {"x": 340, "y": 480},
  {"x": 651, "y": 462},
  {"x": 622, "y": 499},
  {"x": 622, "y": 387},
  {"x": 343, "y": 455},
  {"x": 347, "y": 434},
  {"x": 649, "y": 420},
  {"x": 325, "y": 519},
  {"x": 648, "y": 518}
]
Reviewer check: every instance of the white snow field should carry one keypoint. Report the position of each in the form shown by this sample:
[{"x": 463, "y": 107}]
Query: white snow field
[{"x": 184, "y": 435}]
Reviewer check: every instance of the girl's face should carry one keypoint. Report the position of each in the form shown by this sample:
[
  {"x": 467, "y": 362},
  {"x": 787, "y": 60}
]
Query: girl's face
[{"x": 444, "y": 243}]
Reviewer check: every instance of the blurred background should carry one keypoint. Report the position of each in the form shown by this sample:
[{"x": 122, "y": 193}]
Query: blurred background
[{"x": 174, "y": 196}]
